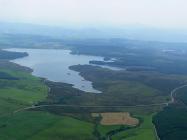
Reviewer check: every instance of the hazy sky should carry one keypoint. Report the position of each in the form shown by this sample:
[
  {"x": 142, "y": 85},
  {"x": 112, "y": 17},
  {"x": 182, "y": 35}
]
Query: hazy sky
[{"x": 157, "y": 13}]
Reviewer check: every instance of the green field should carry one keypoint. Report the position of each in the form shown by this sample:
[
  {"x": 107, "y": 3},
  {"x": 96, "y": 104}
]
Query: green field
[
  {"x": 43, "y": 126},
  {"x": 19, "y": 90},
  {"x": 144, "y": 132},
  {"x": 37, "y": 125}
]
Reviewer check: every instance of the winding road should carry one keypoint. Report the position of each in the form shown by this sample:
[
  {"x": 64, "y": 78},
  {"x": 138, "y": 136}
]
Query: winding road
[{"x": 173, "y": 94}]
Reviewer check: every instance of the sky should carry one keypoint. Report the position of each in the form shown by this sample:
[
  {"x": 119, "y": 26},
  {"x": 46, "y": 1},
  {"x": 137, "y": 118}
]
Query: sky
[{"x": 154, "y": 13}]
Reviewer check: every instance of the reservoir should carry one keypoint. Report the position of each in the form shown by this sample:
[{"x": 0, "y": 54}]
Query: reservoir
[{"x": 53, "y": 64}]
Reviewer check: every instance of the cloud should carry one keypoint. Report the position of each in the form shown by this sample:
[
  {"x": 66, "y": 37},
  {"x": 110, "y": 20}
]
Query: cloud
[{"x": 159, "y": 13}]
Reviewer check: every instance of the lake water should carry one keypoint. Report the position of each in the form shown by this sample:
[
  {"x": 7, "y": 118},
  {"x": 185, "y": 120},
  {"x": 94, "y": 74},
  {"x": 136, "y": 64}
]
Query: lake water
[{"x": 53, "y": 64}]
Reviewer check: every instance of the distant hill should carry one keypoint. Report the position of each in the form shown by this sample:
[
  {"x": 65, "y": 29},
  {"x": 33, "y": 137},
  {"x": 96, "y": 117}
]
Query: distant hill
[{"x": 128, "y": 32}]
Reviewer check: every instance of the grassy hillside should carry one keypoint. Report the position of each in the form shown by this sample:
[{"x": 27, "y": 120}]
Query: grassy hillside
[
  {"x": 23, "y": 89},
  {"x": 18, "y": 88}
]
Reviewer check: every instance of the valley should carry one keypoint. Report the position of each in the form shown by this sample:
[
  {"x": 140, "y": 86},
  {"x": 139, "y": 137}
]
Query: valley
[
  {"x": 93, "y": 70},
  {"x": 54, "y": 108}
]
